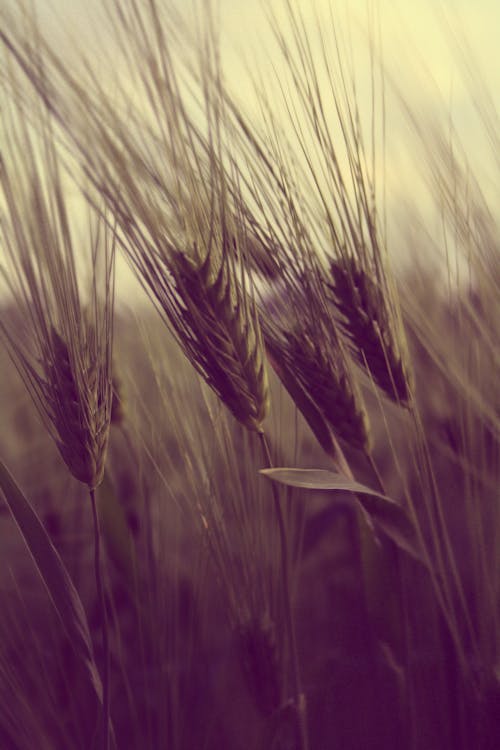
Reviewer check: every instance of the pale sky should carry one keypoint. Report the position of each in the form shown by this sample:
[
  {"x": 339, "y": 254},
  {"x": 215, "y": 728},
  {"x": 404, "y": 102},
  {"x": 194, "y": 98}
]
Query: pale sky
[
  {"x": 418, "y": 46},
  {"x": 410, "y": 29}
]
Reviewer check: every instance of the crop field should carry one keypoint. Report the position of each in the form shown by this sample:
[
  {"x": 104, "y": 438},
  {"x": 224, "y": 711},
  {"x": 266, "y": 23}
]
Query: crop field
[{"x": 250, "y": 445}]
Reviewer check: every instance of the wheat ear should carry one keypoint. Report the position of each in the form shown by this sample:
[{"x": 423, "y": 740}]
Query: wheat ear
[
  {"x": 329, "y": 385},
  {"x": 222, "y": 336},
  {"x": 369, "y": 326},
  {"x": 79, "y": 410}
]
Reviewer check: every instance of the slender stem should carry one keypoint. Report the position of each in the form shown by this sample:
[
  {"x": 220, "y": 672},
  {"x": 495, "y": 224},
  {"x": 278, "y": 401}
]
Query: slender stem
[
  {"x": 104, "y": 622},
  {"x": 298, "y": 696}
]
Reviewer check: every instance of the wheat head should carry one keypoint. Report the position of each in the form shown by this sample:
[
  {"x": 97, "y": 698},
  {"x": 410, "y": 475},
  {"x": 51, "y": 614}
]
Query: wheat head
[
  {"x": 332, "y": 389},
  {"x": 79, "y": 408},
  {"x": 367, "y": 322},
  {"x": 224, "y": 340},
  {"x": 61, "y": 338}
]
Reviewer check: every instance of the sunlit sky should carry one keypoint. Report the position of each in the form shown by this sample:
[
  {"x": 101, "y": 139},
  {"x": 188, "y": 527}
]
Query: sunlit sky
[
  {"x": 413, "y": 32},
  {"x": 419, "y": 45}
]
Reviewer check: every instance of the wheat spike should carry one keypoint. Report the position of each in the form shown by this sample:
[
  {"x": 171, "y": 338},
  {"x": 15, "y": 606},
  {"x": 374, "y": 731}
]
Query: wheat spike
[
  {"x": 308, "y": 357},
  {"x": 224, "y": 340},
  {"x": 79, "y": 410},
  {"x": 313, "y": 415},
  {"x": 60, "y": 344},
  {"x": 330, "y": 386},
  {"x": 367, "y": 323}
]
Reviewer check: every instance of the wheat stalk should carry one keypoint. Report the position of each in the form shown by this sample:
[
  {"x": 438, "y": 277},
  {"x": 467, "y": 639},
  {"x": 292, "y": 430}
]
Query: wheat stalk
[{"x": 312, "y": 195}]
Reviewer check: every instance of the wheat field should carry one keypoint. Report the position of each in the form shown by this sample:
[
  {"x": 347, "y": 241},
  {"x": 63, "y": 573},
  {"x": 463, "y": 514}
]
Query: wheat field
[{"x": 250, "y": 500}]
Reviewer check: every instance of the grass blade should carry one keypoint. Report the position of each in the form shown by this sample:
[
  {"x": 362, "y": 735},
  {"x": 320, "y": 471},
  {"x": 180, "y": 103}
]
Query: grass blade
[{"x": 383, "y": 513}]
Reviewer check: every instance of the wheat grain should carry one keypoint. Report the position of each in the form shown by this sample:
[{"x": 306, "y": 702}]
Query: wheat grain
[{"x": 62, "y": 347}]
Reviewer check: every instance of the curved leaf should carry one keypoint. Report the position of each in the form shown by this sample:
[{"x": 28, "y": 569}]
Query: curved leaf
[{"x": 385, "y": 514}]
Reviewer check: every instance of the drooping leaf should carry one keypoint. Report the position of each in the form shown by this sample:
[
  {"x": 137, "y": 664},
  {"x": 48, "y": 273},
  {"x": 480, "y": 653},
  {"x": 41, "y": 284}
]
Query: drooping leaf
[
  {"x": 55, "y": 577},
  {"x": 385, "y": 514}
]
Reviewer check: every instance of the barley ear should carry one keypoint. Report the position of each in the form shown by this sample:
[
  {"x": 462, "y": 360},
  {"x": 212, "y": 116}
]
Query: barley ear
[
  {"x": 331, "y": 387},
  {"x": 304, "y": 403},
  {"x": 371, "y": 329},
  {"x": 222, "y": 336},
  {"x": 78, "y": 409}
]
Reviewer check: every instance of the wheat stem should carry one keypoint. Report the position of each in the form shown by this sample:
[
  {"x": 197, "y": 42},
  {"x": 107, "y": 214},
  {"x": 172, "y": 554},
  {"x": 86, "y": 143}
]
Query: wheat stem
[
  {"x": 104, "y": 622},
  {"x": 299, "y": 700}
]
